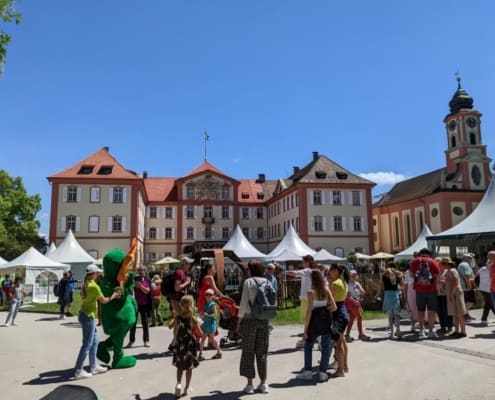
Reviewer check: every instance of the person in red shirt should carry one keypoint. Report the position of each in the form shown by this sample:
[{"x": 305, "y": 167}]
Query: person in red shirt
[{"x": 425, "y": 270}]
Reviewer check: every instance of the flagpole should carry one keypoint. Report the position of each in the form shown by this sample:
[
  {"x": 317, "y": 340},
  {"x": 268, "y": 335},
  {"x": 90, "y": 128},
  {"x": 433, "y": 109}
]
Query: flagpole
[{"x": 206, "y": 139}]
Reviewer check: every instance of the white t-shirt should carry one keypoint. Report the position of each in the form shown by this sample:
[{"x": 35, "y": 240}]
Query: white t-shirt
[
  {"x": 305, "y": 275},
  {"x": 484, "y": 274}
]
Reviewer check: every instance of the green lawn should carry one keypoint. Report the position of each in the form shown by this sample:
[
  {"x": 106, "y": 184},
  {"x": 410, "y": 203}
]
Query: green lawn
[{"x": 289, "y": 315}]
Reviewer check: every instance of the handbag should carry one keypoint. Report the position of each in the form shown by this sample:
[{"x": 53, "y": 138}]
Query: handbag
[{"x": 320, "y": 322}]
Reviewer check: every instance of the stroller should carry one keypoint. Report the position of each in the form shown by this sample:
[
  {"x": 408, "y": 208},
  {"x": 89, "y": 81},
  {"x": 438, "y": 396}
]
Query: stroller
[{"x": 228, "y": 320}]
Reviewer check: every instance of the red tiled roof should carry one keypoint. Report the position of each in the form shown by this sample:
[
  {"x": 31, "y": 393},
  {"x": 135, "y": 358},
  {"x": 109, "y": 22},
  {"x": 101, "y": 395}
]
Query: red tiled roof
[
  {"x": 204, "y": 167},
  {"x": 159, "y": 189},
  {"x": 94, "y": 163},
  {"x": 250, "y": 189}
]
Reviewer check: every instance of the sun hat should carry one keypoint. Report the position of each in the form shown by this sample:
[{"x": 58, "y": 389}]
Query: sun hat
[{"x": 93, "y": 268}]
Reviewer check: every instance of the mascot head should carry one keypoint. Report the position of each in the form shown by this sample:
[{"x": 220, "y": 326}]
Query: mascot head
[{"x": 112, "y": 263}]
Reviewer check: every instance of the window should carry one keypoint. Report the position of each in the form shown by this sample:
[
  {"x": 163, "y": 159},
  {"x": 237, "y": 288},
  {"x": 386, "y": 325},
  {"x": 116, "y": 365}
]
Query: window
[
  {"x": 245, "y": 213},
  {"x": 357, "y": 224},
  {"x": 337, "y": 198},
  {"x": 86, "y": 170},
  {"x": 190, "y": 233},
  {"x": 245, "y": 195},
  {"x": 408, "y": 230},
  {"x": 207, "y": 212},
  {"x": 225, "y": 192},
  {"x": 225, "y": 212},
  {"x": 117, "y": 224},
  {"x": 259, "y": 233},
  {"x": 225, "y": 233},
  {"x": 168, "y": 233},
  {"x": 152, "y": 212},
  {"x": 169, "y": 214},
  {"x": 70, "y": 223},
  {"x": 189, "y": 212},
  {"x": 320, "y": 174},
  {"x": 318, "y": 223},
  {"x": 460, "y": 251},
  {"x": 317, "y": 197},
  {"x": 208, "y": 234},
  {"x": 72, "y": 194},
  {"x": 420, "y": 218},
  {"x": 94, "y": 224},
  {"x": 190, "y": 192},
  {"x": 94, "y": 194},
  {"x": 93, "y": 253},
  {"x": 245, "y": 232},
  {"x": 458, "y": 210},
  {"x": 105, "y": 170},
  {"x": 152, "y": 256},
  {"x": 259, "y": 213},
  {"x": 118, "y": 195},
  {"x": 337, "y": 223},
  {"x": 339, "y": 252},
  {"x": 396, "y": 232},
  {"x": 356, "y": 198},
  {"x": 152, "y": 233}
]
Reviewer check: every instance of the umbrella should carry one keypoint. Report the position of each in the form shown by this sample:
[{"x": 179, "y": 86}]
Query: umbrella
[
  {"x": 167, "y": 260},
  {"x": 362, "y": 256},
  {"x": 381, "y": 256}
]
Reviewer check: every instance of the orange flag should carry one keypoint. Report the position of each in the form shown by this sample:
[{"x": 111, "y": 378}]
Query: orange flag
[{"x": 127, "y": 263}]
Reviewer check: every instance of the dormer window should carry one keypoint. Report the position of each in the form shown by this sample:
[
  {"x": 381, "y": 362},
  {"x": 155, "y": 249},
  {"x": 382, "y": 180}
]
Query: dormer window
[
  {"x": 105, "y": 170},
  {"x": 86, "y": 170},
  {"x": 341, "y": 175},
  {"x": 260, "y": 195},
  {"x": 320, "y": 174},
  {"x": 245, "y": 195}
]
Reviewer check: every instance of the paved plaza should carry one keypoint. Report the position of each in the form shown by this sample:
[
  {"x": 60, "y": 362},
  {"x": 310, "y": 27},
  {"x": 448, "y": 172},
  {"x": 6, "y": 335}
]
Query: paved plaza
[{"x": 39, "y": 355}]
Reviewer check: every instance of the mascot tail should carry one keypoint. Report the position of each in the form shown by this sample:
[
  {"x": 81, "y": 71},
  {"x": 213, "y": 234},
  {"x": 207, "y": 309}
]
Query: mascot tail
[{"x": 127, "y": 263}]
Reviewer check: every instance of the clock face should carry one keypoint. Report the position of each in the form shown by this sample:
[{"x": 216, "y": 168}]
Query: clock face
[
  {"x": 452, "y": 125},
  {"x": 471, "y": 122}
]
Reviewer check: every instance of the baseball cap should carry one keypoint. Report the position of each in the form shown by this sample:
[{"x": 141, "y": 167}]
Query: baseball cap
[
  {"x": 93, "y": 268},
  {"x": 187, "y": 260}
]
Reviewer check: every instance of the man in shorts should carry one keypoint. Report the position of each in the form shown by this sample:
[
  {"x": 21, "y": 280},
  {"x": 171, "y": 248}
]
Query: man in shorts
[{"x": 425, "y": 270}]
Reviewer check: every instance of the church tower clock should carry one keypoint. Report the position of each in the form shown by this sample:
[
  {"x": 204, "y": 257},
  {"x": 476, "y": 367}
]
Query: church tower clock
[{"x": 467, "y": 165}]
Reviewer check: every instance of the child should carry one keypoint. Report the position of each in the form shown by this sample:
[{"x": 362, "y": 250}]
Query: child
[
  {"x": 391, "y": 288},
  {"x": 16, "y": 296},
  {"x": 186, "y": 345},
  {"x": 209, "y": 325},
  {"x": 353, "y": 305}
]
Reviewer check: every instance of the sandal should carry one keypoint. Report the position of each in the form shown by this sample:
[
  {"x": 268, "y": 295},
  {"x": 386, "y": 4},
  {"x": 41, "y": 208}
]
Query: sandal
[{"x": 217, "y": 356}]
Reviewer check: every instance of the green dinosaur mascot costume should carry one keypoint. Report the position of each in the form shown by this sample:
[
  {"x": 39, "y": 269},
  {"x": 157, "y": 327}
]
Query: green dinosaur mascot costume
[{"x": 118, "y": 316}]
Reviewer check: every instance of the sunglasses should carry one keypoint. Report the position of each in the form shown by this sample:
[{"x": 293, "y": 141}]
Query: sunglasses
[{"x": 208, "y": 294}]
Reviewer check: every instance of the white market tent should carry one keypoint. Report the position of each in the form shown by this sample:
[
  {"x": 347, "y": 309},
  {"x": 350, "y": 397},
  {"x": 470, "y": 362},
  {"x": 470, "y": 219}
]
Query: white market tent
[
  {"x": 51, "y": 249},
  {"x": 2, "y": 261},
  {"x": 242, "y": 247},
  {"x": 292, "y": 242},
  {"x": 476, "y": 231},
  {"x": 324, "y": 255},
  {"x": 420, "y": 243},
  {"x": 37, "y": 270},
  {"x": 69, "y": 251}
]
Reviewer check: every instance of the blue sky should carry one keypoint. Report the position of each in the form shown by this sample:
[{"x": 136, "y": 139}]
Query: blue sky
[{"x": 365, "y": 83}]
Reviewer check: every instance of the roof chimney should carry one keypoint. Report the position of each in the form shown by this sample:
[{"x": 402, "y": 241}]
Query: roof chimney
[
  {"x": 261, "y": 178},
  {"x": 295, "y": 169},
  {"x": 106, "y": 148},
  {"x": 315, "y": 155},
  {"x": 145, "y": 174}
]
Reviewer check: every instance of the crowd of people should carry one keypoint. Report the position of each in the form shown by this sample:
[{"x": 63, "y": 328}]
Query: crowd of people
[{"x": 434, "y": 291}]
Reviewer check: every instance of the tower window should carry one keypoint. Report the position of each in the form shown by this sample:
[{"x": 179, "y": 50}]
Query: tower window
[
  {"x": 472, "y": 138},
  {"x": 452, "y": 141}
]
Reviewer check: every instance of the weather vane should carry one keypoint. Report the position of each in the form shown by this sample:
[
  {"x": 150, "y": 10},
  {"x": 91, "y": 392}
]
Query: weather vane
[
  {"x": 207, "y": 137},
  {"x": 458, "y": 78}
]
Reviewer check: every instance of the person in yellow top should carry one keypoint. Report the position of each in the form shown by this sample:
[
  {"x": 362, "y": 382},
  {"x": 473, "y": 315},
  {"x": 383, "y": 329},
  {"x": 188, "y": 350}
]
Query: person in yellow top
[
  {"x": 88, "y": 315},
  {"x": 338, "y": 277}
]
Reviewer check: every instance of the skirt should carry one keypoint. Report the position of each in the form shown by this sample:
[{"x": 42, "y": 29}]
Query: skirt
[{"x": 391, "y": 300}]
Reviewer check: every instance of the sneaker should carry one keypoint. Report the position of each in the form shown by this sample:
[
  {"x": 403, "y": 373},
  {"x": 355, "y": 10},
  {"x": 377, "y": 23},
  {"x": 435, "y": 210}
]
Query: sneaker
[
  {"x": 178, "y": 390},
  {"x": 349, "y": 339},
  {"x": 333, "y": 365},
  {"x": 305, "y": 375},
  {"x": 422, "y": 334},
  {"x": 323, "y": 376},
  {"x": 300, "y": 344},
  {"x": 98, "y": 370},
  {"x": 263, "y": 388},
  {"x": 364, "y": 337},
  {"x": 82, "y": 374},
  {"x": 484, "y": 323},
  {"x": 249, "y": 389},
  {"x": 188, "y": 390},
  {"x": 15, "y": 324},
  {"x": 62, "y": 316},
  {"x": 432, "y": 335},
  {"x": 146, "y": 344},
  {"x": 6, "y": 324},
  {"x": 129, "y": 345}
]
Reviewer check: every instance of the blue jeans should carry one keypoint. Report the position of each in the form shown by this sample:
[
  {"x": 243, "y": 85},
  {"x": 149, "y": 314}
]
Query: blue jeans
[
  {"x": 14, "y": 308},
  {"x": 89, "y": 342},
  {"x": 325, "y": 354}
]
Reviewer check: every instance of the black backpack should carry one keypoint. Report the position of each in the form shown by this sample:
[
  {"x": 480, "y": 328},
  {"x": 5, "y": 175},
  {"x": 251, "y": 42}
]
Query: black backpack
[
  {"x": 265, "y": 302},
  {"x": 168, "y": 284},
  {"x": 56, "y": 289},
  {"x": 423, "y": 275}
]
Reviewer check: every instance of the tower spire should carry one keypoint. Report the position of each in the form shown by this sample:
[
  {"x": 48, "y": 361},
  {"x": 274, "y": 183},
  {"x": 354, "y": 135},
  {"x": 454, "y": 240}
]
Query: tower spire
[{"x": 207, "y": 137}]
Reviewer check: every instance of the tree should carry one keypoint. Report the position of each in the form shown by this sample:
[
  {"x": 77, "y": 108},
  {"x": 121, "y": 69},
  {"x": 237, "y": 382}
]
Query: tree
[
  {"x": 18, "y": 223},
  {"x": 7, "y": 14}
]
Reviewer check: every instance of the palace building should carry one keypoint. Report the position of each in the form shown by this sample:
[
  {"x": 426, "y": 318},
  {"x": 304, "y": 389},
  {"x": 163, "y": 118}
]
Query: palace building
[
  {"x": 440, "y": 198},
  {"x": 106, "y": 205}
]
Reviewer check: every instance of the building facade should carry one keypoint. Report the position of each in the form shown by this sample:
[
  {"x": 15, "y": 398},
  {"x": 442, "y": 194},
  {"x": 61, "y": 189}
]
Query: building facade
[
  {"x": 440, "y": 198},
  {"x": 106, "y": 206}
]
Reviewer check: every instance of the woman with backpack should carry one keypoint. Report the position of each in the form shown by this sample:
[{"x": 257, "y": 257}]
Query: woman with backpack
[{"x": 253, "y": 330}]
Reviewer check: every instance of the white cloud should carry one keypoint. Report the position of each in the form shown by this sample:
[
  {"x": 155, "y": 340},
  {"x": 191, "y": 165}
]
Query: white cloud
[{"x": 384, "y": 178}]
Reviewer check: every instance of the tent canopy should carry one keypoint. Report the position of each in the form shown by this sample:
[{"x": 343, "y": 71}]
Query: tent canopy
[
  {"x": 324, "y": 255},
  {"x": 420, "y": 243},
  {"x": 241, "y": 246},
  {"x": 51, "y": 249},
  {"x": 32, "y": 258},
  {"x": 292, "y": 242},
  {"x": 3, "y": 261},
  {"x": 70, "y": 251}
]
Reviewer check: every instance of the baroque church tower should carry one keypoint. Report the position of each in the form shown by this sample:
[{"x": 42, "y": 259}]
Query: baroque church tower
[{"x": 467, "y": 165}]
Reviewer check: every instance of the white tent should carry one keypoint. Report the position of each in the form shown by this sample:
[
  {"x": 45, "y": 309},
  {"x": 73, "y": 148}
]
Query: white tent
[
  {"x": 286, "y": 255},
  {"x": 292, "y": 242},
  {"x": 71, "y": 252},
  {"x": 2, "y": 261},
  {"x": 51, "y": 249},
  {"x": 420, "y": 243},
  {"x": 241, "y": 246},
  {"x": 38, "y": 271},
  {"x": 476, "y": 231},
  {"x": 324, "y": 255}
]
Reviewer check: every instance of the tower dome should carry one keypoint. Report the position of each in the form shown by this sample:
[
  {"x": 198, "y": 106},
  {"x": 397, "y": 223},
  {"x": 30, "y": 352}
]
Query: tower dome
[{"x": 461, "y": 100}]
